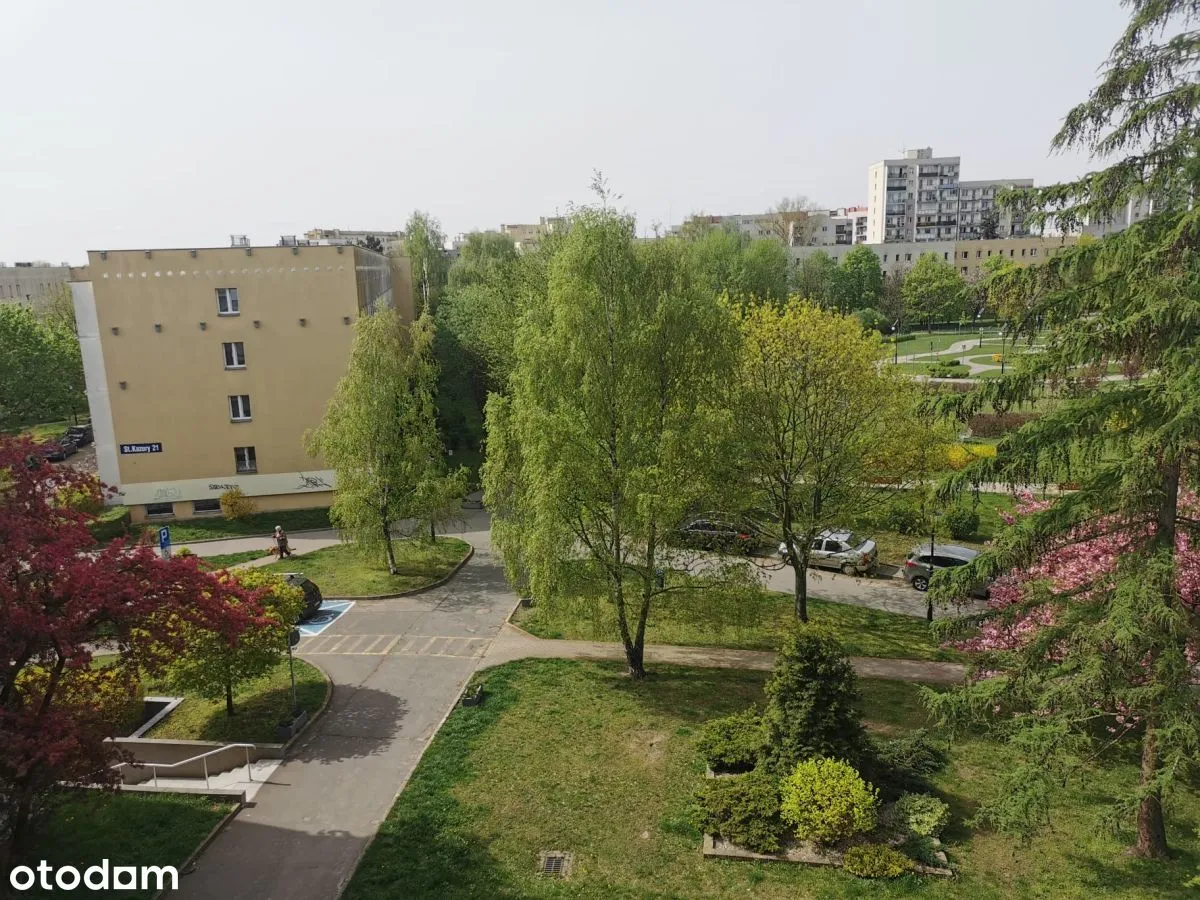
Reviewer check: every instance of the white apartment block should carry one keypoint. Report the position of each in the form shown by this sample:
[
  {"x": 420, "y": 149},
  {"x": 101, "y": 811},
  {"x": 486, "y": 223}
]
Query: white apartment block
[
  {"x": 827, "y": 228},
  {"x": 920, "y": 198},
  {"x": 333, "y": 237},
  {"x": 527, "y": 236},
  {"x": 25, "y": 282},
  {"x": 1135, "y": 210}
]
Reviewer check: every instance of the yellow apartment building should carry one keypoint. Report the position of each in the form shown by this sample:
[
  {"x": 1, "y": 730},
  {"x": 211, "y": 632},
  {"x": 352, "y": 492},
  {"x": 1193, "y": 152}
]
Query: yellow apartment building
[{"x": 205, "y": 367}]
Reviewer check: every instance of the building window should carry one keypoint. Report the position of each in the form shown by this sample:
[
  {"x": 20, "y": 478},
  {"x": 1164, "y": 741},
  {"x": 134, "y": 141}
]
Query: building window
[
  {"x": 964, "y": 270},
  {"x": 159, "y": 510},
  {"x": 244, "y": 460},
  {"x": 885, "y": 257},
  {"x": 1033, "y": 251},
  {"x": 964, "y": 255},
  {"x": 1012, "y": 252},
  {"x": 908, "y": 257},
  {"x": 989, "y": 253},
  {"x": 205, "y": 507},
  {"x": 978, "y": 253},
  {"x": 1022, "y": 251},
  {"x": 227, "y": 302},
  {"x": 946, "y": 255},
  {"x": 239, "y": 407},
  {"x": 235, "y": 355}
]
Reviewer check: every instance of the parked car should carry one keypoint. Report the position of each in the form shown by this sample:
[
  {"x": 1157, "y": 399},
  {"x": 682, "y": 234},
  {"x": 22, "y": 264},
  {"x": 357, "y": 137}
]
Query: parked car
[
  {"x": 712, "y": 534},
  {"x": 921, "y": 564},
  {"x": 57, "y": 451},
  {"x": 80, "y": 434},
  {"x": 841, "y": 549},
  {"x": 312, "y": 594}
]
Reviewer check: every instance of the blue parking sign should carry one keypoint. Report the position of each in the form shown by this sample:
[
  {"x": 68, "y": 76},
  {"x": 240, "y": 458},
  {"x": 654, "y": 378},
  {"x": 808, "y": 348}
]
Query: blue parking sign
[{"x": 164, "y": 541}]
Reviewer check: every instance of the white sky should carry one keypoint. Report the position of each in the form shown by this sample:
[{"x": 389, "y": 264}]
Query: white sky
[{"x": 171, "y": 124}]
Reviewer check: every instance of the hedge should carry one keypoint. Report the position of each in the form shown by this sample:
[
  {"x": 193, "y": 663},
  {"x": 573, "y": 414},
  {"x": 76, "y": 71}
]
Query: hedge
[{"x": 111, "y": 524}]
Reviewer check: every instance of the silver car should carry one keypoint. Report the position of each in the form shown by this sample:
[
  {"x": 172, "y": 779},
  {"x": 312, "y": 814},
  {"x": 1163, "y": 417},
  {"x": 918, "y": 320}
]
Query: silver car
[
  {"x": 924, "y": 560},
  {"x": 841, "y": 549}
]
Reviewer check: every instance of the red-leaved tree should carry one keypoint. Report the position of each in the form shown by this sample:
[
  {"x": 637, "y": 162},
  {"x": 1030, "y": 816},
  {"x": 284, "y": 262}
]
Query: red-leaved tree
[{"x": 60, "y": 595}]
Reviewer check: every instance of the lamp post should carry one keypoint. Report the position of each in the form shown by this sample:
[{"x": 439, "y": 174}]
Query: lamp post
[
  {"x": 293, "y": 640},
  {"x": 1002, "y": 346},
  {"x": 896, "y": 342}
]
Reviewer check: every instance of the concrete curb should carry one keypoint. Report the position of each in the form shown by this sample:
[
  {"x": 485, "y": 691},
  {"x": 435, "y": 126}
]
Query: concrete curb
[
  {"x": 188, "y": 863},
  {"x": 421, "y": 590}
]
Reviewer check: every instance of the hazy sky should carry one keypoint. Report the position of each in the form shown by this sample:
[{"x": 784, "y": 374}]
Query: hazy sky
[{"x": 173, "y": 124}]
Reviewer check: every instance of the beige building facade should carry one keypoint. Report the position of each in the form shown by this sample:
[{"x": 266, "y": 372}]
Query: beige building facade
[
  {"x": 26, "y": 282},
  {"x": 205, "y": 368},
  {"x": 967, "y": 256}
]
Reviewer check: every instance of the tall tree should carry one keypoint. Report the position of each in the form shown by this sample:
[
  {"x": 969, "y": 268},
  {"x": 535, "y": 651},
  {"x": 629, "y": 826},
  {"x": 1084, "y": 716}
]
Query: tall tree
[
  {"x": 1107, "y": 663},
  {"x": 794, "y": 220},
  {"x": 371, "y": 242},
  {"x": 989, "y": 224},
  {"x": 815, "y": 279},
  {"x": 605, "y": 443},
  {"x": 41, "y": 371},
  {"x": 859, "y": 281},
  {"x": 819, "y": 420},
  {"x": 934, "y": 290},
  {"x": 59, "y": 594},
  {"x": 425, "y": 247},
  {"x": 380, "y": 436},
  {"x": 765, "y": 271}
]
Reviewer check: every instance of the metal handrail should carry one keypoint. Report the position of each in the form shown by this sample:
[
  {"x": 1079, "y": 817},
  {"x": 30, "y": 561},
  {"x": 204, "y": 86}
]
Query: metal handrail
[{"x": 204, "y": 756}]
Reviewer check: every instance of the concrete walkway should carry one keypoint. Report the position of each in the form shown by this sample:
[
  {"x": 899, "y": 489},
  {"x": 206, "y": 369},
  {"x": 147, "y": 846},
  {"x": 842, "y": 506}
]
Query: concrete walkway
[{"x": 512, "y": 643}]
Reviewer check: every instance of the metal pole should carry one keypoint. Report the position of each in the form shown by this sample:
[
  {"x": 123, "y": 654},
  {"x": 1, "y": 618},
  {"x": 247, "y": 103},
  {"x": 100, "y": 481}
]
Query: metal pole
[
  {"x": 205, "y": 771},
  {"x": 249, "y": 774},
  {"x": 928, "y": 599},
  {"x": 1002, "y": 345},
  {"x": 292, "y": 669}
]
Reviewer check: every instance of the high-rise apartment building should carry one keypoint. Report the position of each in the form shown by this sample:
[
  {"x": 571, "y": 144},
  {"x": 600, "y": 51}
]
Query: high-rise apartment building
[
  {"x": 920, "y": 197},
  {"x": 206, "y": 367}
]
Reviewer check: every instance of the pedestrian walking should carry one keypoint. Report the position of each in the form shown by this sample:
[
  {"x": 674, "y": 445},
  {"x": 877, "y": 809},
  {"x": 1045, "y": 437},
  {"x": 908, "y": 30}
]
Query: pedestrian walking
[{"x": 281, "y": 542}]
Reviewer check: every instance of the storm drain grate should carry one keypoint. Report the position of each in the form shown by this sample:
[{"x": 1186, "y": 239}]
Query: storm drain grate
[{"x": 555, "y": 863}]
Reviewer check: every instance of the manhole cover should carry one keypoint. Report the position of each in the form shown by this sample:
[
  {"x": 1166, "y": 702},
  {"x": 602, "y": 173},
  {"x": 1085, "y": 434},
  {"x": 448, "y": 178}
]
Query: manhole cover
[{"x": 555, "y": 863}]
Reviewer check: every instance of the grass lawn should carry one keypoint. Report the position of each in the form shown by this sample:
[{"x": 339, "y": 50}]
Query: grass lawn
[
  {"x": 758, "y": 626},
  {"x": 263, "y": 523},
  {"x": 342, "y": 571},
  {"x": 225, "y": 560},
  {"x": 259, "y": 705},
  {"x": 894, "y": 546},
  {"x": 131, "y": 829},
  {"x": 45, "y": 431},
  {"x": 574, "y": 756}
]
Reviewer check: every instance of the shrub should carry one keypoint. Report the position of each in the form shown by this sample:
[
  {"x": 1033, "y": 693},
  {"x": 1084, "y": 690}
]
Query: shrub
[
  {"x": 872, "y": 319},
  {"x": 826, "y": 801},
  {"x": 904, "y": 763},
  {"x": 743, "y": 810},
  {"x": 184, "y": 551},
  {"x": 734, "y": 743},
  {"x": 904, "y": 516},
  {"x": 876, "y": 861},
  {"x": 948, "y": 369},
  {"x": 921, "y": 814},
  {"x": 998, "y": 424},
  {"x": 812, "y": 702},
  {"x": 961, "y": 521},
  {"x": 111, "y": 524},
  {"x": 959, "y": 456},
  {"x": 236, "y": 505}
]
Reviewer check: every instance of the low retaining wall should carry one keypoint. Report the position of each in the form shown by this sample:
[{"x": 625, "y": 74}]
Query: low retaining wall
[{"x": 149, "y": 750}]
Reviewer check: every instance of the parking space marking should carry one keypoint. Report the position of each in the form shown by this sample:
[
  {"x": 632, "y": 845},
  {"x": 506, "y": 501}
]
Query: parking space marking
[
  {"x": 330, "y": 612},
  {"x": 440, "y": 646}
]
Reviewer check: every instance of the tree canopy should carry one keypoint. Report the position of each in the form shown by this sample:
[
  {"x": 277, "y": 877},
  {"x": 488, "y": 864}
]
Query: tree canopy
[
  {"x": 859, "y": 281},
  {"x": 934, "y": 290}
]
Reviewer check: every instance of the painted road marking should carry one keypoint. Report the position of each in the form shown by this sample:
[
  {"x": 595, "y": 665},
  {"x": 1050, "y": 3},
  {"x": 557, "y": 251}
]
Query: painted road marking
[
  {"x": 330, "y": 612},
  {"x": 441, "y": 646}
]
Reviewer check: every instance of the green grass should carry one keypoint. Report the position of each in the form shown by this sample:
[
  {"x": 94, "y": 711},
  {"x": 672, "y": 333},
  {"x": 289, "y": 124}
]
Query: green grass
[
  {"x": 225, "y": 560},
  {"x": 84, "y": 827},
  {"x": 759, "y": 625},
  {"x": 574, "y": 756},
  {"x": 262, "y": 524},
  {"x": 342, "y": 571},
  {"x": 45, "y": 431},
  {"x": 259, "y": 705},
  {"x": 895, "y": 546}
]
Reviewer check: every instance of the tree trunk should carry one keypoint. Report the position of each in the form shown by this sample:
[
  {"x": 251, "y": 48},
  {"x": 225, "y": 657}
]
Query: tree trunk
[
  {"x": 387, "y": 542},
  {"x": 229, "y": 698},
  {"x": 1151, "y": 830},
  {"x": 432, "y": 531},
  {"x": 800, "y": 567},
  {"x": 18, "y": 825}
]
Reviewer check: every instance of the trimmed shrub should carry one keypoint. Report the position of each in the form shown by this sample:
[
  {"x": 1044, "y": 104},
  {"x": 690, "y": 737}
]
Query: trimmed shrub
[
  {"x": 904, "y": 763},
  {"x": 826, "y": 801},
  {"x": 904, "y": 516},
  {"x": 236, "y": 505},
  {"x": 959, "y": 456},
  {"x": 743, "y": 810},
  {"x": 812, "y": 702},
  {"x": 998, "y": 424},
  {"x": 961, "y": 521},
  {"x": 921, "y": 814},
  {"x": 734, "y": 743},
  {"x": 948, "y": 369},
  {"x": 872, "y": 319},
  {"x": 111, "y": 524},
  {"x": 876, "y": 861}
]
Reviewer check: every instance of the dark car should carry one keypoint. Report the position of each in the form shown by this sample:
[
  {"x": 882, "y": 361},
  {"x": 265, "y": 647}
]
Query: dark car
[
  {"x": 57, "y": 451},
  {"x": 713, "y": 534},
  {"x": 923, "y": 561},
  {"x": 80, "y": 434},
  {"x": 312, "y": 594}
]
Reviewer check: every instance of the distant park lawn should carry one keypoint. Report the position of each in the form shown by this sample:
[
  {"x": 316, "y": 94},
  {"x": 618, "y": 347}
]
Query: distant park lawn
[
  {"x": 259, "y": 705},
  {"x": 344, "y": 571},
  {"x": 127, "y": 829},
  {"x": 758, "y": 624},
  {"x": 575, "y": 756}
]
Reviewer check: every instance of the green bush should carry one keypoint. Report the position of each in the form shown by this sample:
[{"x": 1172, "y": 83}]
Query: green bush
[
  {"x": 812, "y": 702},
  {"x": 948, "y": 368},
  {"x": 921, "y": 814},
  {"x": 872, "y": 319},
  {"x": 111, "y": 524},
  {"x": 826, "y": 801},
  {"x": 236, "y": 505},
  {"x": 904, "y": 763},
  {"x": 998, "y": 424},
  {"x": 743, "y": 810},
  {"x": 876, "y": 861},
  {"x": 734, "y": 743},
  {"x": 961, "y": 521},
  {"x": 899, "y": 338},
  {"x": 904, "y": 516}
]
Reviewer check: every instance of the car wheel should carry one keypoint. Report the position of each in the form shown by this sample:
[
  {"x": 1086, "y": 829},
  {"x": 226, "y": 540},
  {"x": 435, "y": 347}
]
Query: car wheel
[
  {"x": 921, "y": 583},
  {"x": 848, "y": 569}
]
